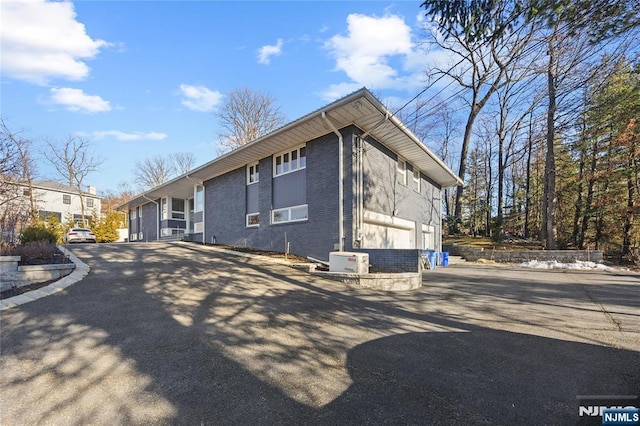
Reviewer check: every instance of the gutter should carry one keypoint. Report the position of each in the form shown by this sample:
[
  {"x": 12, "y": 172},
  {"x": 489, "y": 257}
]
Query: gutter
[{"x": 340, "y": 182}]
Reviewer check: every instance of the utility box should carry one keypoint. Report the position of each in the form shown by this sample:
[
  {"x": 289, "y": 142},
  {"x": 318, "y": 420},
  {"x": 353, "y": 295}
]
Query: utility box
[{"x": 355, "y": 263}]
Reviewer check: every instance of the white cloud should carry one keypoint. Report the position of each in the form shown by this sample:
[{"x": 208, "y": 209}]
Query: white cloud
[
  {"x": 335, "y": 91},
  {"x": 77, "y": 100},
  {"x": 200, "y": 98},
  {"x": 364, "y": 53},
  {"x": 131, "y": 136},
  {"x": 42, "y": 40},
  {"x": 266, "y": 52},
  {"x": 379, "y": 53}
]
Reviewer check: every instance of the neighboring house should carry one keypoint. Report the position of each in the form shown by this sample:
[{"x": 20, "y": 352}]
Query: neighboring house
[
  {"x": 349, "y": 175},
  {"x": 53, "y": 198}
]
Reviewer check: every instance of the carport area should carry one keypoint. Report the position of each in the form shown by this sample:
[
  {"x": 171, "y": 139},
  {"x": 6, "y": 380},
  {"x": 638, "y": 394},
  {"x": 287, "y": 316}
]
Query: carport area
[{"x": 167, "y": 333}]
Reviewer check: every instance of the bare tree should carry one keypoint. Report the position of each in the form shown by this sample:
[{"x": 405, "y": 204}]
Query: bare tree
[
  {"x": 16, "y": 168},
  {"x": 154, "y": 171},
  {"x": 73, "y": 162},
  {"x": 183, "y": 162},
  {"x": 10, "y": 159},
  {"x": 246, "y": 116},
  {"x": 480, "y": 72}
]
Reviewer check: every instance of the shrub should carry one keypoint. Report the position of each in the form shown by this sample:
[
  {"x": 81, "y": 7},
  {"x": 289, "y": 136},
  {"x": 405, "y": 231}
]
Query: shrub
[
  {"x": 106, "y": 229},
  {"x": 38, "y": 233},
  {"x": 37, "y": 252}
]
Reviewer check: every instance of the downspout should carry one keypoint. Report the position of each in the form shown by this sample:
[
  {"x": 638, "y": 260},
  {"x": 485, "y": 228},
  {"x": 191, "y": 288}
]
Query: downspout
[
  {"x": 204, "y": 210},
  {"x": 340, "y": 183},
  {"x": 157, "y": 216},
  {"x": 360, "y": 177}
]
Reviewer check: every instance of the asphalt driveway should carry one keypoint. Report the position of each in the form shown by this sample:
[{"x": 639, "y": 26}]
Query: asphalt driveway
[{"x": 181, "y": 334}]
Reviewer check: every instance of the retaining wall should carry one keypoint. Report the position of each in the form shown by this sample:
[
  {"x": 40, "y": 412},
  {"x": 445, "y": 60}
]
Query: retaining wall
[
  {"x": 387, "y": 282},
  {"x": 393, "y": 260},
  {"x": 518, "y": 256},
  {"x": 14, "y": 276}
]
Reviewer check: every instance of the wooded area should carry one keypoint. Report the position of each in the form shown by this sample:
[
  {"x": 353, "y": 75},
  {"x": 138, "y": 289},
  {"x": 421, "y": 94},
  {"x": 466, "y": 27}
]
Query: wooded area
[{"x": 546, "y": 105}]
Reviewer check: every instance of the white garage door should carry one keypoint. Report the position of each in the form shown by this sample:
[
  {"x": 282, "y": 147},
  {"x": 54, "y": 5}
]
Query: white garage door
[{"x": 381, "y": 231}]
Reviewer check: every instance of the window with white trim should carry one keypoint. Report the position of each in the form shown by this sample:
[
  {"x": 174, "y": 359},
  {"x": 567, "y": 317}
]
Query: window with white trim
[
  {"x": 89, "y": 202},
  {"x": 140, "y": 212},
  {"x": 66, "y": 199},
  {"x": 253, "y": 219},
  {"x": 134, "y": 214},
  {"x": 290, "y": 161},
  {"x": 164, "y": 208},
  {"x": 253, "y": 175},
  {"x": 199, "y": 199},
  {"x": 177, "y": 208},
  {"x": 133, "y": 237},
  {"x": 140, "y": 236},
  {"x": 402, "y": 171},
  {"x": 416, "y": 179},
  {"x": 290, "y": 214}
]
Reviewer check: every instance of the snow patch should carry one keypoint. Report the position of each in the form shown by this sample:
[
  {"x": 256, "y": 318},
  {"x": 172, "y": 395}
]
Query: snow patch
[{"x": 577, "y": 265}]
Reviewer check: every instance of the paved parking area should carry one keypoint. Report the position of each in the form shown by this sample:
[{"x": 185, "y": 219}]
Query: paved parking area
[{"x": 180, "y": 334}]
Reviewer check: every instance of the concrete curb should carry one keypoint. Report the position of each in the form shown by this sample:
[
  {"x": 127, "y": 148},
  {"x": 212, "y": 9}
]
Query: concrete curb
[{"x": 78, "y": 274}]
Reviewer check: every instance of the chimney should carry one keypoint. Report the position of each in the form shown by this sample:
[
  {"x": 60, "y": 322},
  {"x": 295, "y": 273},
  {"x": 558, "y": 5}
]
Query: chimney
[{"x": 91, "y": 190}]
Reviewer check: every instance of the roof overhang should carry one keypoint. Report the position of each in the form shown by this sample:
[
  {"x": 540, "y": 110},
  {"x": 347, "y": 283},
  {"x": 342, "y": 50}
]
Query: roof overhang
[{"x": 360, "y": 108}]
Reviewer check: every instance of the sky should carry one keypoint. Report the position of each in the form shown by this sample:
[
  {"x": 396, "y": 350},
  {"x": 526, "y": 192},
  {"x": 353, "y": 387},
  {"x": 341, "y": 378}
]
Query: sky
[{"x": 144, "y": 78}]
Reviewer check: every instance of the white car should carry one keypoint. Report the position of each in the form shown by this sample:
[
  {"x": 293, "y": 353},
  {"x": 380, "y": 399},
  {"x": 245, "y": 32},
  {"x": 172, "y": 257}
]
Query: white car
[{"x": 79, "y": 235}]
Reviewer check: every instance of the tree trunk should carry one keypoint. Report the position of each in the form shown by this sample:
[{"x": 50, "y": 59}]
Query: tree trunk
[
  {"x": 527, "y": 194},
  {"x": 464, "y": 151},
  {"x": 628, "y": 217},
  {"x": 586, "y": 213},
  {"x": 575, "y": 235},
  {"x": 549, "y": 198}
]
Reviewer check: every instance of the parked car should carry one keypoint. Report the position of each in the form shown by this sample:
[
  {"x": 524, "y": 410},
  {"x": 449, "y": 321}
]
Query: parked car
[{"x": 79, "y": 235}]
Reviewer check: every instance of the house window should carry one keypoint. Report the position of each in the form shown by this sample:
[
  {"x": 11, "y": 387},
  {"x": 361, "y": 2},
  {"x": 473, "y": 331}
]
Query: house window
[
  {"x": 290, "y": 161},
  {"x": 89, "y": 202},
  {"x": 416, "y": 179},
  {"x": 26, "y": 192},
  {"x": 140, "y": 236},
  {"x": 133, "y": 237},
  {"x": 177, "y": 208},
  {"x": 253, "y": 219},
  {"x": 134, "y": 215},
  {"x": 45, "y": 215},
  {"x": 66, "y": 199},
  {"x": 252, "y": 174},
  {"x": 163, "y": 208},
  {"x": 140, "y": 212},
  {"x": 199, "y": 198},
  {"x": 402, "y": 171},
  {"x": 290, "y": 214}
]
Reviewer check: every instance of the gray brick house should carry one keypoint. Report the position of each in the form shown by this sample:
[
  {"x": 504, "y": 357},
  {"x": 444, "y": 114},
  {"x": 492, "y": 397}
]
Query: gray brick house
[{"x": 349, "y": 175}]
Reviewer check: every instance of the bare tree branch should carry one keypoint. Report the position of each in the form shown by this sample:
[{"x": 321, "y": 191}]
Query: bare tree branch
[
  {"x": 73, "y": 162},
  {"x": 246, "y": 116}
]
